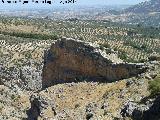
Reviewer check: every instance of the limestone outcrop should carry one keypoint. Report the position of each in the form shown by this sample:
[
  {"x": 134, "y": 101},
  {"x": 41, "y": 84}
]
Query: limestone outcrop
[
  {"x": 24, "y": 77},
  {"x": 70, "y": 60},
  {"x": 148, "y": 111}
]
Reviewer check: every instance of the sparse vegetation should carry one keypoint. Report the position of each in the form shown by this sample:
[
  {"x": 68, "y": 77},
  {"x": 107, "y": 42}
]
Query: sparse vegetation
[
  {"x": 30, "y": 35},
  {"x": 132, "y": 40},
  {"x": 23, "y": 42},
  {"x": 154, "y": 86}
]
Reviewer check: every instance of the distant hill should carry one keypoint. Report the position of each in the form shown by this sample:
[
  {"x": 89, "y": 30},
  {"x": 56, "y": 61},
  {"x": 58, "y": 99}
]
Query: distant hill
[{"x": 145, "y": 7}]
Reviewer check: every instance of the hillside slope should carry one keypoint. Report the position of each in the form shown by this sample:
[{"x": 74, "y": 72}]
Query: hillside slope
[{"x": 145, "y": 7}]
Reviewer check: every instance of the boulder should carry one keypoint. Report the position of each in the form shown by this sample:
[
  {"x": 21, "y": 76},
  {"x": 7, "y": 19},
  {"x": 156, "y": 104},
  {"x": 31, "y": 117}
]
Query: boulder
[
  {"x": 70, "y": 60},
  {"x": 134, "y": 111},
  {"x": 145, "y": 111},
  {"x": 154, "y": 58}
]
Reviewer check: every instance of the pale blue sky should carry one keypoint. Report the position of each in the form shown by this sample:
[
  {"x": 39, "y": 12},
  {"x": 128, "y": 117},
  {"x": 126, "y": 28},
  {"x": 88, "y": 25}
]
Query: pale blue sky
[
  {"x": 57, "y": 3},
  {"x": 109, "y": 2}
]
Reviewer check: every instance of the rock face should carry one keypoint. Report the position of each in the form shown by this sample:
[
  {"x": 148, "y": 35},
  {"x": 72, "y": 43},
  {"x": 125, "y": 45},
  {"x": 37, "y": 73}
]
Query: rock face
[
  {"x": 13, "y": 104},
  {"x": 134, "y": 111},
  {"x": 153, "y": 113},
  {"x": 71, "y": 60},
  {"x": 25, "y": 77},
  {"x": 147, "y": 111},
  {"x": 154, "y": 58}
]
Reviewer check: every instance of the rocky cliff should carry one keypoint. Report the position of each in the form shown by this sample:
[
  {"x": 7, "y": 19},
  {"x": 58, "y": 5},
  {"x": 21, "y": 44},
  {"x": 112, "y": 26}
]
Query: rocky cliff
[{"x": 70, "y": 60}]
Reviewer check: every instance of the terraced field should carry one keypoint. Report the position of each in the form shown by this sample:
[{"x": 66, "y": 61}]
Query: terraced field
[
  {"x": 27, "y": 38},
  {"x": 23, "y": 52}
]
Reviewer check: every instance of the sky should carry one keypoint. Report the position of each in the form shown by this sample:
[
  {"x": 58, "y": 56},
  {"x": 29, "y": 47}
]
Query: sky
[
  {"x": 110, "y": 2},
  {"x": 19, "y": 5}
]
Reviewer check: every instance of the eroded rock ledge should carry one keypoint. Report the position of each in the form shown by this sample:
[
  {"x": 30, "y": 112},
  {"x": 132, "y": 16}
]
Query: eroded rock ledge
[{"x": 70, "y": 60}]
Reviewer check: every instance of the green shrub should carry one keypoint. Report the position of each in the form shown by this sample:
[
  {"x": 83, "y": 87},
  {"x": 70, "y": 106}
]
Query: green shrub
[
  {"x": 81, "y": 38},
  {"x": 154, "y": 86},
  {"x": 13, "y": 97},
  {"x": 28, "y": 55},
  {"x": 1, "y": 108},
  {"x": 123, "y": 56},
  {"x": 106, "y": 45}
]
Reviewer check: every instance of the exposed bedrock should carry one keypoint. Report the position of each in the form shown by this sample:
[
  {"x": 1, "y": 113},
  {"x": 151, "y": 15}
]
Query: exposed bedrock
[{"x": 70, "y": 60}]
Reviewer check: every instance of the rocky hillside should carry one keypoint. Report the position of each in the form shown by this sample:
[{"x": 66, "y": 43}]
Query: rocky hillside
[
  {"x": 145, "y": 7},
  {"x": 67, "y": 73},
  {"x": 145, "y": 13}
]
